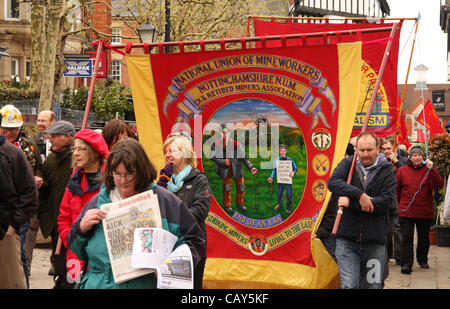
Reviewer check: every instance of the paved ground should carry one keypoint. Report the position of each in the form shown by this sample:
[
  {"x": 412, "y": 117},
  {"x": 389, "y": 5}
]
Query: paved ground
[
  {"x": 39, "y": 278},
  {"x": 437, "y": 277}
]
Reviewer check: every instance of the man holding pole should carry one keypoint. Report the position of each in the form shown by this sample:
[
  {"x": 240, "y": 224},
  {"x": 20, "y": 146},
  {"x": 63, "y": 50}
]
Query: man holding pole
[{"x": 361, "y": 235}]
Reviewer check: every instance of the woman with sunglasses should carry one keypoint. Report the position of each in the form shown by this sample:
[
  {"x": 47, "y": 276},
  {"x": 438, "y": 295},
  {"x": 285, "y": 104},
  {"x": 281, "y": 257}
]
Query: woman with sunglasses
[
  {"x": 89, "y": 153},
  {"x": 128, "y": 172}
]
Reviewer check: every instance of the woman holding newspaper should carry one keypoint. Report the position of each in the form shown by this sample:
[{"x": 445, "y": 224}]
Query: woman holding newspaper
[
  {"x": 128, "y": 172},
  {"x": 189, "y": 184}
]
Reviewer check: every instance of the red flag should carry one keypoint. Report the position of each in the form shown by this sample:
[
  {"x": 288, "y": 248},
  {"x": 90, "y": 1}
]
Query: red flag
[
  {"x": 420, "y": 136},
  {"x": 431, "y": 121},
  {"x": 403, "y": 133}
]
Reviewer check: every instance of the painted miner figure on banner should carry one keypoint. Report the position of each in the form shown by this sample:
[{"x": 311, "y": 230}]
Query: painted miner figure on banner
[
  {"x": 284, "y": 170},
  {"x": 229, "y": 163}
]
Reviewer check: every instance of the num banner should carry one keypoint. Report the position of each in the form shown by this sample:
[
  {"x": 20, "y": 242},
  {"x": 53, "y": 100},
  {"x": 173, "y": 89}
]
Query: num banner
[
  {"x": 264, "y": 125},
  {"x": 383, "y": 120}
]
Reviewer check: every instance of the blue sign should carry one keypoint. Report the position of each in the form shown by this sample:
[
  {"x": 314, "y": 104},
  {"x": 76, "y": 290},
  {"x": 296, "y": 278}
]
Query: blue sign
[{"x": 78, "y": 68}]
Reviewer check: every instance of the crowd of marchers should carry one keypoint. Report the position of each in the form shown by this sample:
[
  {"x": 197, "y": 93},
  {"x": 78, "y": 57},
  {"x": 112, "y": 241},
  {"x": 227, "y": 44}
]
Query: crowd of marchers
[{"x": 57, "y": 181}]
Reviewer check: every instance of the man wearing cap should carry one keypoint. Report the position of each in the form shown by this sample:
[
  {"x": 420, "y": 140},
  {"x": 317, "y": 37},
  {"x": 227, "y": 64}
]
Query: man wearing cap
[
  {"x": 54, "y": 176},
  {"x": 415, "y": 184}
]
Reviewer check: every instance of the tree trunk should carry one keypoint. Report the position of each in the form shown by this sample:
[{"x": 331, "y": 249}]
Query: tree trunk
[
  {"x": 48, "y": 69},
  {"x": 38, "y": 16}
]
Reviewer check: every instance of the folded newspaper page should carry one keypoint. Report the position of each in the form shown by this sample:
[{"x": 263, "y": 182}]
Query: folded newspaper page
[
  {"x": 177, "y": 271},
  {"x": 152, "y": 248},
  {"x": 123, "y": 217}
]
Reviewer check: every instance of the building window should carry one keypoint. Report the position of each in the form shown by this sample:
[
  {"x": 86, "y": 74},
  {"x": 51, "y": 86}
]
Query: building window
[
  {"x": 28, "y": 69},
  {"x": 116, "y": 69},
  {"x": 14, "y": 68},
  {"x": 12, "y": 10},
  {"x": 116, "y": 33}
]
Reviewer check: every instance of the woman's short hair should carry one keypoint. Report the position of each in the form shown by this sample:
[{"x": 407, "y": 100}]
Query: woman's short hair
[
  {"x": 131, "y": 153},
  {"x": 184, "y": 145},
  {"x": 113, "y": 129}
]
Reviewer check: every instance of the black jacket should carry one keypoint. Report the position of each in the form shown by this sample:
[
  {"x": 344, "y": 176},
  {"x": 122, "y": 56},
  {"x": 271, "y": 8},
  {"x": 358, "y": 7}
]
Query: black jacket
[
  {"x": 196, "y": 195},
  {"x": 55, "y": 173},
  {"x": 18, "y": 197},
  {"x": 355, "y": 224}
]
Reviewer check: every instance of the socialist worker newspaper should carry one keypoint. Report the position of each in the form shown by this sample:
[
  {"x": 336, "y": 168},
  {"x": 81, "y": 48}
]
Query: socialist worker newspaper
[
  {"x": 153, "y": 249},
  {"x": 123, "y": 217}
]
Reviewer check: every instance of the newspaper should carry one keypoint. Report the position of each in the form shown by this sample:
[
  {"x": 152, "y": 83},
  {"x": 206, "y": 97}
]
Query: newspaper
[
  {"x": 123, "y": 217},
  {"x": 152, "y": 248}
]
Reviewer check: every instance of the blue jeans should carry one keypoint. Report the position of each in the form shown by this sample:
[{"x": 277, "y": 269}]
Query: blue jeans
[
  {"x": 360, "y": 265},
  {"x": 23, "y": 235},
  {"x": 288, "y": 187}
]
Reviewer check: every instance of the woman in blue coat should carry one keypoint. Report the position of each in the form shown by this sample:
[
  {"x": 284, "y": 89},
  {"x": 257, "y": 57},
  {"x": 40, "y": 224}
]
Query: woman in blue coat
[{"x": 128, "y": 172}]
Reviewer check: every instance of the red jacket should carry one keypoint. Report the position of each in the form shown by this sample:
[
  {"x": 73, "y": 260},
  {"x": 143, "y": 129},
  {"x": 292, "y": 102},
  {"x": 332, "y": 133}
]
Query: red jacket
[
  {"x": 77, "y": 194},
  {"x": 408, "y": 183}
]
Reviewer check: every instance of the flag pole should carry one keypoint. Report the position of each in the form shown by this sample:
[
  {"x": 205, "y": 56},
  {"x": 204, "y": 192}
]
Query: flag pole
[
  {"x": 92, "y": 86},
  {"x": 404, "y": 87},
  {"x": 366, "y": 120}
]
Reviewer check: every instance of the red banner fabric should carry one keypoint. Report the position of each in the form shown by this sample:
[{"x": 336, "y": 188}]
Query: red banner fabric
[
  {"x": 281, "y": 109},
  {"x": 420, "y": 136},
  {"x": 383, "y": 120},
  {"x": 431, "y": 119}
]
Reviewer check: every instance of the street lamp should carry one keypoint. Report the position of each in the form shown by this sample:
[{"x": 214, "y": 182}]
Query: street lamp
[
  {"x": 147, "y": 32},
  {"x": 421, "y": 81},
  {"x": 421, "y": 84}
]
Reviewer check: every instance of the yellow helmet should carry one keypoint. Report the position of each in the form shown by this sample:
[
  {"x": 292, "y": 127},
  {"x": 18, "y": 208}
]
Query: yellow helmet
[{"x": 11, "y": 117}]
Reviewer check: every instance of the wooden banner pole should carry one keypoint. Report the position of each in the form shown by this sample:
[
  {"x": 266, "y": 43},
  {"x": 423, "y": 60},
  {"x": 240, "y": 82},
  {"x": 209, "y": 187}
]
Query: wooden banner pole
[
  {"x": 92, "y": 86},
  {"x": 366, "y": 120}
]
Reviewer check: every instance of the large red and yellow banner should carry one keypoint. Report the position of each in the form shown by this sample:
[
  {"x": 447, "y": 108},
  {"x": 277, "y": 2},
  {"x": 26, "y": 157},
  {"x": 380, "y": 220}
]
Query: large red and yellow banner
[
  {"x": 269, "y": 104},
  {"x": 383, "y": 120}
]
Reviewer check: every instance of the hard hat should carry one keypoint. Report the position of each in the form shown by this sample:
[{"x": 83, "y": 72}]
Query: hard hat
[{"x": 11, "y": 117}]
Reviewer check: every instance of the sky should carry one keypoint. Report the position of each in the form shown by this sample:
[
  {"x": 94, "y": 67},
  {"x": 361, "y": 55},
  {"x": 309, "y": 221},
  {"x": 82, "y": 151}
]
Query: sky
[{"x": 430, "y": 47}]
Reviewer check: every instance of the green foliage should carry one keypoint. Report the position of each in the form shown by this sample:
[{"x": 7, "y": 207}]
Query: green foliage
[
  {"x": 106, "y": 101},
  {"x": 109, "y": 100},
  {"x": 439, "y": 147},
  {"x": 75, "y": 99},
  {"x": 12, "y": 91}
]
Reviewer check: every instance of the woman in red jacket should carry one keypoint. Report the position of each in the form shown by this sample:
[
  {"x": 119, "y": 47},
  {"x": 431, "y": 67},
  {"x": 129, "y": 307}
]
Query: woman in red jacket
[
  {"x": 415, "y": 184},
  {"x": 89, "y": 153}
]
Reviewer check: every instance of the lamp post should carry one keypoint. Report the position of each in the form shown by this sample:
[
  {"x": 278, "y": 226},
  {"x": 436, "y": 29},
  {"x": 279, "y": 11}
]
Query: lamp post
[
  {"x": 421, "y": 81},
  {"x": 147, "y": 32},
  {"x": 421, "y": 84}
]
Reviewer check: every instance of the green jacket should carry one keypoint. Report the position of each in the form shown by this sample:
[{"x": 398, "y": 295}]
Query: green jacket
[
  {"x": 91, "y": 246},
  {"x": 55, "y": 172}
]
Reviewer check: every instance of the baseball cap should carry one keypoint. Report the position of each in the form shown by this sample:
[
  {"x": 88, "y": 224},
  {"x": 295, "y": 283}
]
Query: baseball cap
[{"x": 61, "y": 127}]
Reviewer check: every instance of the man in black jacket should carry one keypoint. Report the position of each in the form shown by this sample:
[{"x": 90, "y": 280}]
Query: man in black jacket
[
  {"x": 18, "y": 200},
  {"x": 53, "y": 178},
  {"x": 361, "y": 236}
]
